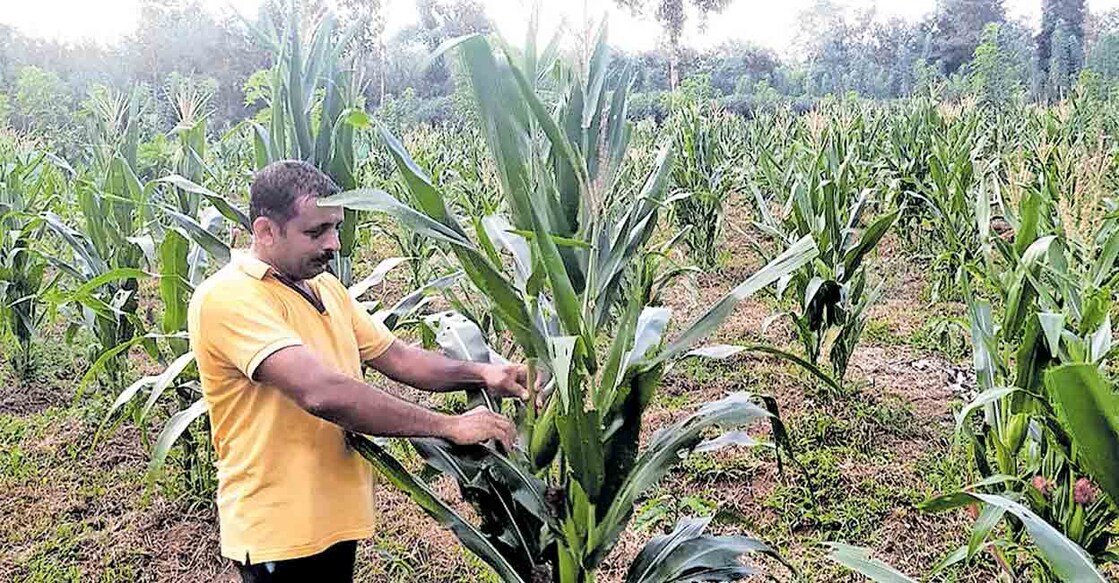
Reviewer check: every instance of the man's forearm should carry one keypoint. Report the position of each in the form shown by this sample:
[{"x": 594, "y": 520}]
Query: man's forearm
[
  {"x": 361, "y": 408},
  {"x": 428, "y": 370}
]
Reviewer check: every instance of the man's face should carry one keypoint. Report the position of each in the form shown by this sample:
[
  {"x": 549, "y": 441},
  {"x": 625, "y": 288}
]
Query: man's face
[{"x": 306, "y": 244}]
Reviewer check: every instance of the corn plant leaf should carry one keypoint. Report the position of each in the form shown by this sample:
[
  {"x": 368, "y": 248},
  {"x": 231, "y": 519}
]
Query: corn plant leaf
[
  {"x": 567, "y": 302},
  {"x": 174, "y": 289},
  {"x": 176, "y": 425},
  {"x": 982, "y": 528},
  {"x": 108, "y": 355},
  {"x": 955, "y": 557},
  {"x": 613, "y": 371},
  {"x": 263, "y": 150},
  {"x": 410, "y": 303},
  {"x": 92, "y": 285},
  {"x": 368, "y": 199},
  {"x": 1105, "y": 262},
  {"x": 664, "y": 451},
  {"x": 376, "y": 276},
  {"x": 500, "y": 231},
  {"x": 720, "y": 351},
  {"x": 421, "y": 494},
  {"x": 473, "y": 468},
  {"x": 1099, "y": 343},
  {"x": 164, "y": 380},
  {"x": 426, "y": 195},
  {"x": 460, "y": 338},
  {"x": 873, "y": 234},
  {"x": 580, "y": 433},
  {"x": 1053, "y": 325},
  {"x": 984, "y": 398},
  {"x": 686, "y": 554},
  {"x": 859, "y": 560},
  {"x": 649, "y": 334},
  {"x": 1090, "y": 409},
  {"x": 88, "y": 258},
  {"x": 796, "y": 256},
  {"x": 226, "y": 208},
  {"x": 204, "y": 238},
  {"x": 716, "y": 351},
  {"x": 570, "y": 157},
  {"x": 124, "y": 397},
  {"x": 1069, "y": 561}
]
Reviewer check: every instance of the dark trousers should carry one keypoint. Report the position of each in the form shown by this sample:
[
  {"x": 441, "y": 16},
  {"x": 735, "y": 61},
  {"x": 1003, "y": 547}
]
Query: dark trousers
[{"x": 334, "y": 565}]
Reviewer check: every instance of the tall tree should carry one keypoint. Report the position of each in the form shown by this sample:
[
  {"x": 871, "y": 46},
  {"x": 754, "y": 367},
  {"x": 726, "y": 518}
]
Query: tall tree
[
  {"x": 181, "y": 36},
  {"x": 439, "y": 21},
  {"x": 672, "y": 17},
  {"x": 1060, "y": 44},
  {"x": 959, "y": 27}
]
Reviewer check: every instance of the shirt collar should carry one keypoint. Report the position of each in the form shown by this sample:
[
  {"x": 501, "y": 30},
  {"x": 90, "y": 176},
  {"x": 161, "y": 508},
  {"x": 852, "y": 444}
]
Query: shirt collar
[
  {"x": 257, "y": 269},
  {"x": 246, "y": 262}
]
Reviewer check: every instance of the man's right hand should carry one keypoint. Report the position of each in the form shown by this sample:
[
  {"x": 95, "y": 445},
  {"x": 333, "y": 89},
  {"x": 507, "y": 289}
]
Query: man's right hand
[{"x": 479, "y": 425}]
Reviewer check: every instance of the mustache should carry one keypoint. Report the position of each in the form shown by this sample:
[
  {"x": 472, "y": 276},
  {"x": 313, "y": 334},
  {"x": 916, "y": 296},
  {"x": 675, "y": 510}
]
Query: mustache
[{"x": 325, "y": 257}]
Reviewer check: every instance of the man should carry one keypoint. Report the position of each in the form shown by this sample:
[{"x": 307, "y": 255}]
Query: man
[{"x": 280, "y": 345}]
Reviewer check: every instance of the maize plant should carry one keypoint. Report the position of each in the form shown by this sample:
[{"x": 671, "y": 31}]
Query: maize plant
[
  {"x": 114, "y": 205},
  {"x": 552, "y": 509},
  {"x": 828, "y": 192},
  {"x": 948, "y": 198},
  {"x": 30, "y": 182},
  {"x": 1044, "y": 428},
  {"x": 1046, "y": 407},
  {"x": 704, "y": 175}
]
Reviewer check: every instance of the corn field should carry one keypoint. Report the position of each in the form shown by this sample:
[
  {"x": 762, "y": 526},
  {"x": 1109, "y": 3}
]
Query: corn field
[{"x": 704, "y": 298}]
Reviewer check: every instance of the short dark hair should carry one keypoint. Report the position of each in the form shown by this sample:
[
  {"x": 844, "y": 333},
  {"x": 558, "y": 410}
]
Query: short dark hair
[{"x": 278, "y": 186}]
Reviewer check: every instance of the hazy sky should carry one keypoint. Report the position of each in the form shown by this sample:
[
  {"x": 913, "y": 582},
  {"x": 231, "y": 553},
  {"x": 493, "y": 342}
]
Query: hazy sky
[{"x": 769, "y": 23}]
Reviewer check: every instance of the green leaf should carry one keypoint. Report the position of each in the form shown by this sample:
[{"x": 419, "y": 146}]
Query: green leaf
[
  {"x": 720, "y": 351},
  {"x": 799, "y": 254},
  {"x": 567, "y": 302},
  {"x": 688, "y": 555},
  {"x": 411, "y": 302},
  {"x": 1053, "y": 325},
  {"x": 110, "y": 276},
  {"x": 501, "y": 232},
  {"x": 164, "y": 380},
  {"x": 376, "y": 276},
  {"x": 226, "y": 208},
  {"x": 984, "y": 398},
  {"x": 990, "y": 517},
  {"x": 124, "y": 397},
  {"x": 1090, "y": 411},
  {"x": 419, "y": 492},
  {"x": 205, "y": 239},
  {"x": 1068, "y": 560},
  {"x": 859, "y": 560},
  {"x": 174, "y": 291},
  {"x": 873, "y": 234},
  {"x": 664, "y": 451},
  {"x": 368, "y": 199},
  {"x": 176, "y": 425}
]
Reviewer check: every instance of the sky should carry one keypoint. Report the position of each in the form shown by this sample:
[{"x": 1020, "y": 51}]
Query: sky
[{"x": 764, "y": 22}]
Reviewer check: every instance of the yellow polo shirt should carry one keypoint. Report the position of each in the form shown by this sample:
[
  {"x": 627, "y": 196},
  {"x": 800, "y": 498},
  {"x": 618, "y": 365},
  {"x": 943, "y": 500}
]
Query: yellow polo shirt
[{"x": 288, "y": 485}]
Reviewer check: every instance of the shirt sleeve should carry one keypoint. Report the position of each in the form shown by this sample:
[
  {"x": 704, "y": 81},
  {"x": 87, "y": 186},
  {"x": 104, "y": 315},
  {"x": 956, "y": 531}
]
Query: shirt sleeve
[
  {"x": 373, "y": 337},
  {"x": 243, "y": 330}
]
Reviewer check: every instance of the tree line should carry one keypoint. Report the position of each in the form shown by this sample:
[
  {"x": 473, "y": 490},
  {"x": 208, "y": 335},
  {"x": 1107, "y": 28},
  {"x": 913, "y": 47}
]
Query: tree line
[{"x": 964, "y": 47}]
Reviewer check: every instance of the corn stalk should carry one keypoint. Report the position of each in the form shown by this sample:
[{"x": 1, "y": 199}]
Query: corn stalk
[{"x": 554, "y": 275}]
